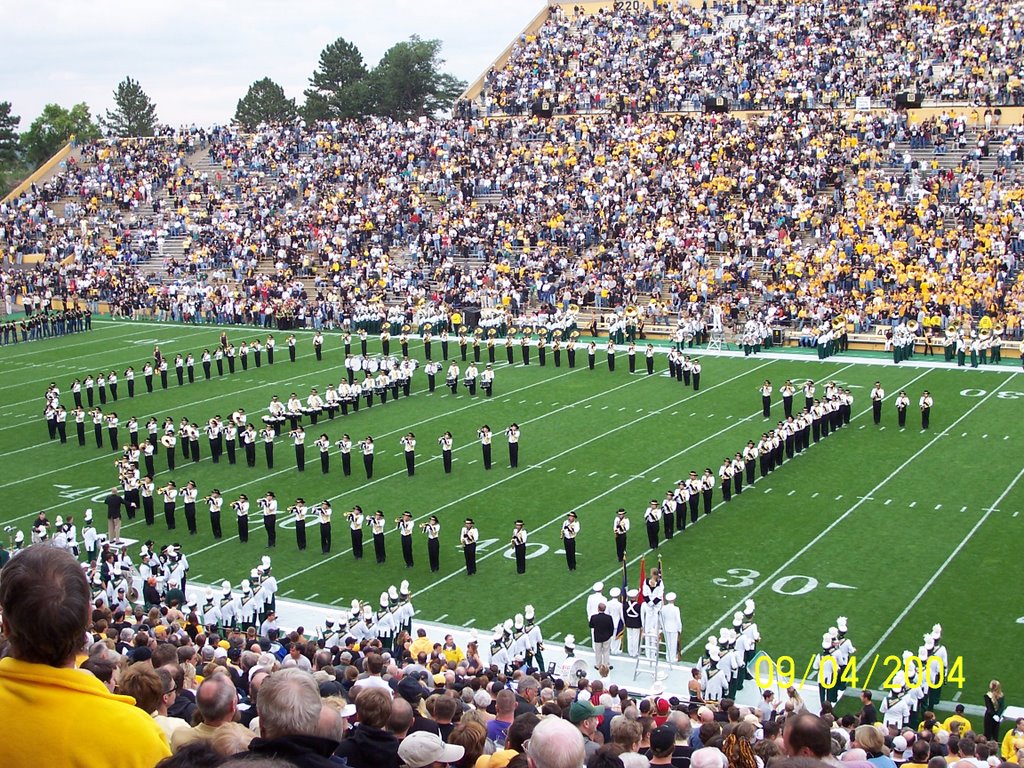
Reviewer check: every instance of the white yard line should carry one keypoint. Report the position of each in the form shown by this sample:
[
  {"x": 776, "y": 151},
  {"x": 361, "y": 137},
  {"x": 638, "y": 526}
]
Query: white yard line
[
  {"x": 699, "y": 637},
  {"x": 942, "y": 568}
]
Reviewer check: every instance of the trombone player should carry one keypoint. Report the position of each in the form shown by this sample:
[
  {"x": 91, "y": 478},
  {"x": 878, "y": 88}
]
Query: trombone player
[{"x": 519, "y": 537}]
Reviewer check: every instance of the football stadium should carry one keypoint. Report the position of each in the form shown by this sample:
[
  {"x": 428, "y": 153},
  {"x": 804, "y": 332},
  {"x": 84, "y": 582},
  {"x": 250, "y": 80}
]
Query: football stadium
[{"x": 650, "y": 402}]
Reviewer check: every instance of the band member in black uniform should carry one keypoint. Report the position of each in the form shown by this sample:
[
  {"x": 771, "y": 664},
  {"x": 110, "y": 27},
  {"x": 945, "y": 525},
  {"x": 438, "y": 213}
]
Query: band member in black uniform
[
  {"x": 926, "y": 403},
  {"x": 162, "y": 368},
  {"x": 291, "y": 347},
  {"x": 271, "y": 343},
  {"x": 468, "y": 538},
  {"x": 355, "y": 525},
  {"x": 268, "y": 505},
  {"x": 695, "y": 374},
  {"x": 146, "y": 490},
  {"x": 409, "y": 448},
  {"x": 519, "y": 537},
  {"x": 556, "y": 350},
  {"x": 170, "y": 494},
  {"x": 249, "y": 443},
  {"x": 591, "y": 355},
  {"x": 324, "y": 513},
  {"x": 206, "y": 359},
  {"x": 476, "y": 346},
  {"x": 257, "y": 352},
  {"x": 787, "y": 391},
  {"x": 433, "y": 530},
  {"x": 214, "y": 502},
  {"x": 621, "y": 529},
  {"x": 218, "y": 357},
  {"x": 428, "y": 342},
  {"x": 80, "y": 425},
  {"x": 490, "y": 346},
  {"x": 324, "y": 444},
  {"x": 405, "y": 528},
  {"x": 524, "y": 345},
  {"x": 631, "y": 356},
  {"x": 444, "y": 343},
  {"x": 189, "y": 496},
  {"x": 652, "y": 519},
  {"x": 299, "y": 510},
  {"x": 193, "y": 442},
  {"x": 610, "y": 349},
  {"x": 377, "y": 528},
  {"x": 345, "y": 446},
  {"x": 179, "y": 369},
  {"x": 513, "y": 444},
  {"x": 877, "y": 396},
  {"x": 695, "y": 487},
  {"x": 570, "y": 349},
  {"x": 485, "y": 443},
  {"x": 570, "y": 530},
  {"x": 463, "y": 341},
  {"x": 190, "y": 368},
  {"x": 366, "y": 446},
  {"x": 299, "y": 438},
  {"x": 542, "y": 349},
  {"x": 649, "y": 356},
  {"x": 241, "y": 508},
  {"x": 510, "y": 349},
  {"x": 749, "y": 454},
  {"x": 902, "y": 402},
  {"x": 446, "y": 442},
  {"x": 766, "y": 399},
  {"x": 318, "y": 346}
]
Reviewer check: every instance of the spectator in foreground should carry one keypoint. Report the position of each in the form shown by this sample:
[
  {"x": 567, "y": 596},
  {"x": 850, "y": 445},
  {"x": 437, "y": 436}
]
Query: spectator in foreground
[
  {"x": 555, "y": 743},
  {"x": 290, "y": 721},
  {"x": 45, "y": 599}
]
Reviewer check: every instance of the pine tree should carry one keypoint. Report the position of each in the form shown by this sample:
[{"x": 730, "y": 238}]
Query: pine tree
[{"x": 134, "y": 113}]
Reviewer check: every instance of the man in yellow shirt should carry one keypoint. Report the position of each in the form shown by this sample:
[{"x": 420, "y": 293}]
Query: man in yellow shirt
[
  {"x": 46, "y": 600},
  {"x": 422, "y": 644},
  {"x": 452, "y": 653},
  {"x": 958, "y": 717}
]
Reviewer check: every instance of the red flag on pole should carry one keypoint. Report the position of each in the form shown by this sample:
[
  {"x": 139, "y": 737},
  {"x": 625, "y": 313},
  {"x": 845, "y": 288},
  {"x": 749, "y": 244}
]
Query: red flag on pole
[{"x": 640, "y": 597}]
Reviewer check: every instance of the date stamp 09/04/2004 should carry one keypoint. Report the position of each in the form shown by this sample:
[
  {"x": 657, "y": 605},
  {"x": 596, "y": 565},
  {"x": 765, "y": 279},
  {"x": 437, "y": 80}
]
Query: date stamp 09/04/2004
[{"x": 825, "y": 672}]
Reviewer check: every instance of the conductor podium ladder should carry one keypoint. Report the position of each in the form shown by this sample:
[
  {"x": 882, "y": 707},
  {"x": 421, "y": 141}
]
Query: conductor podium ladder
[
  {"x": 645, "y": 665},
  {"x": 715, "y": 339}
]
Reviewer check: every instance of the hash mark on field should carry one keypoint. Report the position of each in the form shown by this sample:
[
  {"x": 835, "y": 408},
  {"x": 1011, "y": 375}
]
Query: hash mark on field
[
  {"x": 791, "y": 493},
  {"x": 315, "y": 594},
  {"x": 612, "y": 477},
  {"x": 963, "y": 509},
  {"x": 655, "y": 479},
  {"x": 473, "y": 461},
  {"x": 639, "y": 410},
  {"x": 957, "y": 696},
  {"x": 676, "y": 413},
  {"x": 839, "y": 497},
  {"x": 571, "y": 471},
  {"x": 983, "y": 437},
  {"x": 539, "y": 402},
  {"x": 285, "y": 594},
  {"x": 554, "y": 404},
  {"x": 1006, "y": 437},
  {"x": 913, "y": 504},
  {"x": 938, "y": 506},
  {"x": 556, "y": 635},
  {"x": 604, "y": 408},
  {"x": 888, "y": 502},
  {"x": 622, "y": 409},
  {"x": 694, "y": 413},
  {"x": 815, "y": 495},
  {"x": 728, "y": 417},
  {"x": 710, "y": 415},
  {"x": 588, "y": 406},
  {"x": 862, "y": 426},
  {"x": 442, "y": 617},
  {"x": 552, "y": 469},
  {"x": 963, "y": 434},
  {"x": 337, "y": 600},
  {"x": 866, "y": 498},
  {"x": 469, "y": 621},
  {"x": 592, "y": 474},
  {"x": 1016, "y": 513},
  {"x": 767, "y": 490},
  {"x": 521, "y": 402}
]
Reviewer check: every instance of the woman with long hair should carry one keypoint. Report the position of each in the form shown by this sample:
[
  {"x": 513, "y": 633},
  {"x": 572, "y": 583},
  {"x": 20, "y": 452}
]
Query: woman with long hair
[{"x": 995, "y": 703}]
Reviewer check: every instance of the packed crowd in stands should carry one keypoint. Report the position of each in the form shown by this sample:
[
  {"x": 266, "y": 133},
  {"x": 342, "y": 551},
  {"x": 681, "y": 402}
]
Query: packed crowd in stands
[
  {"x": 796, "y": 216},
  {"x": 770, "y": 55},
  {"x": 178, "y": 693}
]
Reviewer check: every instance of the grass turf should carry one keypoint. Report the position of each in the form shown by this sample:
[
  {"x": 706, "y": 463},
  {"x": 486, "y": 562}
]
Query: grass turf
[{"x": 896, "y": 530}]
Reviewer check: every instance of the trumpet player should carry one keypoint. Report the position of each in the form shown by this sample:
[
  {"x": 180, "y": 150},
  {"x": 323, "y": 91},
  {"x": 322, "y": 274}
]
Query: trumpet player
[
  {"x": 468, "y": 538},
  {"x": 323, "y": 513},
  {"x": 570, "y": 530},
  {"x": 298, "y": 436},
  {"x": 405, "y": 527},
  {"x": 378, "y": 525},
  {"x": 366, "y": 446},
  {"x": 146, "y": 489},
  {"x": 519, "y": 537},
  {"x": 324, "y": 444},
  {"x": 345, "y": 446},
  {"x": 268, "y": 505},
  {"x": 299, "y": 510},
  {"x": 433, "y": 530},
  {"x": 214, "y": 502},
  {"x": 170, "y": 495},
  {"x": 355, "y": 525},
  {"x": 484, "y": 433},
  {"x": 408, "y": 444},
  {"x": 512, "y": 431},
  {"x": 241, "y": 508},
  {"x": 189, "y": 495},
  {"x": 446, "y": 442},
  {"x": 926, "y": 403}
]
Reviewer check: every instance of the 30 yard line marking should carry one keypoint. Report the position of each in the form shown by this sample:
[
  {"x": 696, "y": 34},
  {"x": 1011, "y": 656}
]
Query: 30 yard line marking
[
  {"x": 942, "y": 568},
  {"x": 828, "y": 529}
]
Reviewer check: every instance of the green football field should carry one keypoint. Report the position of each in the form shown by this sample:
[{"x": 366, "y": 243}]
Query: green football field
[{"x": 897, "y": 530}]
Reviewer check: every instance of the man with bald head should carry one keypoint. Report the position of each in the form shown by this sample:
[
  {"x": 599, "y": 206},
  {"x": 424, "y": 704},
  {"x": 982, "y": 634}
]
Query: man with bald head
[
  {"x": 555, "y": 743},
  {"x": 217, "y": 701},
  {"x": 290, "y": 721}
]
